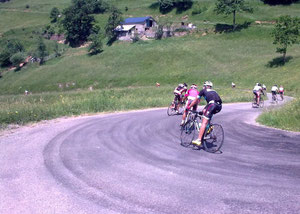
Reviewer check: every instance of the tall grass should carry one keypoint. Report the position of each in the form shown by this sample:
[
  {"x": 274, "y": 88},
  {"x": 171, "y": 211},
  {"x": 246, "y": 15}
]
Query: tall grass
[
  {"x": 22, "y": 109},
  {"x": 286, "y": 118}
]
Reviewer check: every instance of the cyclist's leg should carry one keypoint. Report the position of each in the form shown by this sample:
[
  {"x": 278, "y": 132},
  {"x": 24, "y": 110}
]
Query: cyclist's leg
[
  {"x": 258, "y": 97},
  {"x": 185, "y": 112},
  {"x": 176, "y": 102},
  {"x": 207, "y": 114}
]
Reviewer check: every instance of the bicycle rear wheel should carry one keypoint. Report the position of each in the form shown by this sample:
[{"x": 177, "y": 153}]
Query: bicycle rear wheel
[
  {"x": 171, "y": 109},
  {"x": 181, "y": 108},
  {"x": 261, "y": 102},
  {"x": 188, "y": 133},
  {"x": 214, "y": 140}
]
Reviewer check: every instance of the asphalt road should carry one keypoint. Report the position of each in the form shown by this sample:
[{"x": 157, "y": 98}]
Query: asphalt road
[{"x": 134, "y": 163}]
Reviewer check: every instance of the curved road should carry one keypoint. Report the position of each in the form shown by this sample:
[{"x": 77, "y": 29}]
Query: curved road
[{"x": 133, "y": 163}]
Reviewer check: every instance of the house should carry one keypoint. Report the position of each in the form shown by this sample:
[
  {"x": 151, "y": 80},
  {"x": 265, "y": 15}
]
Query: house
[{"x": 143, "y": 26}]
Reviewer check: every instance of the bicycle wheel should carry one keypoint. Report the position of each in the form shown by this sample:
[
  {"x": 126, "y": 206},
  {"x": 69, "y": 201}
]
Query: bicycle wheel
[
  {"x": 214, "y": 140},
  {"x": 181, "y": 108},
  {"x": 254, "y": 103},
  {"x": 187, "y": 133},
  {"x": 171, "y": 109},
  {"x": 261, "y": 103}
]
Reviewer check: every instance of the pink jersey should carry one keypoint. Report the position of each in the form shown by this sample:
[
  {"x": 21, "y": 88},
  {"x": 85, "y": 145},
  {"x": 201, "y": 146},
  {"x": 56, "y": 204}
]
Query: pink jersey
[{"x": 192, "y": 94}]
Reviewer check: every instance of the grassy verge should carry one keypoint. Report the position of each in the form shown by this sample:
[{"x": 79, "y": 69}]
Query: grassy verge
[
  {"x": 287, "y": 118},
  {"x": 21, "y": 109}
]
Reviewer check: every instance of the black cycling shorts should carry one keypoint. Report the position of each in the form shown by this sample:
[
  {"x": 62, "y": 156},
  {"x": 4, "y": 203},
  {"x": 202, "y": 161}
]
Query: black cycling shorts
[
  {"x": 211, "y": 109},
  {"x": 273, "y": 92}
]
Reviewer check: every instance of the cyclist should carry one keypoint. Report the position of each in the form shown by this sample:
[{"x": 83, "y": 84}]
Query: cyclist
[
  {"x": 281, "y": 91},
  {"x": 264, "y": 87},
  {"x": 213, "y": 106},
  {"x": 191, "y": 95},
  {"x": 179, "y": 92},
  {"x": 257, "y": 90},
  {"x": 274, "y": 91}
]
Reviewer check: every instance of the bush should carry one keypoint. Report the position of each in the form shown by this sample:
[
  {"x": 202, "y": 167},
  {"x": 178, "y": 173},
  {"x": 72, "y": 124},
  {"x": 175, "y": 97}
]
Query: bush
[
  {"x": 197, "y": 9},
  {"x": 96, "y": 44},
  {"x": 54, "y": 14},
  {"x": 17, "y": 59},
  {"x": 12, "y": 47},
  {"x": 159, "y": 32}
]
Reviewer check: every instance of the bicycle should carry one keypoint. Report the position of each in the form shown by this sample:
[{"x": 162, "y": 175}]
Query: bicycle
[
  {"x": 212, "y": 139},
  {"x": 173, "y": 106},
  {"x": 261, "y": 102}
]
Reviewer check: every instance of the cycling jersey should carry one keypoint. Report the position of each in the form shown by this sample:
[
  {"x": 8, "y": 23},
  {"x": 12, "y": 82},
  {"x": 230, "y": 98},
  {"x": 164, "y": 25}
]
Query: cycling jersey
[
  {"x": 281, "y": 89},
  {"x": 274, "y": 88},
  {"x": 214, "y": 102},
  {"x": 180, "y": 90},
  {"x": 257, "y": 88},
  {"x": 210, "y": 95},
  {"x": 192, "y": 94}
]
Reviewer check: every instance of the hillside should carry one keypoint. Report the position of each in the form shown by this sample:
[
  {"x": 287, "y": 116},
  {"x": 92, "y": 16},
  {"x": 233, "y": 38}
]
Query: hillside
[{"x": 245, "y": 57}]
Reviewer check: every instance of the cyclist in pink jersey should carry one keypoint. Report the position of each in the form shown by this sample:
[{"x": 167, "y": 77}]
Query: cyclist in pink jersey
[{"x": 191, "y": 95}]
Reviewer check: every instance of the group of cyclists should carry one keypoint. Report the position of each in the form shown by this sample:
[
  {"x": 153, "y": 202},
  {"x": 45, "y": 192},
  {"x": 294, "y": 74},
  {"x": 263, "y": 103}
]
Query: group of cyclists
[
  {"x": 260, "y": 89},
  {"x": 193, "y": 97}
]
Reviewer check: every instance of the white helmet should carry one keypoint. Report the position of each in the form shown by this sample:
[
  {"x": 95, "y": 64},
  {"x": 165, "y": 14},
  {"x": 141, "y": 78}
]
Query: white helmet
[
  {"x": 181, "y": 85},
  {"x": 208, "y": 83},
  {"x": 194, "y": 86}
]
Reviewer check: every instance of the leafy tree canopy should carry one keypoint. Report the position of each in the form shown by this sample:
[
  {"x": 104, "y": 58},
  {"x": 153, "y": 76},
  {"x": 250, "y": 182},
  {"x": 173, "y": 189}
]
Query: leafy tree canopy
[
  {"x": 286, "y": 33},
  {"x": 54, "y": 14},
  {"x": 114, "y": 19},
  {"x": 228, "y": 7}
]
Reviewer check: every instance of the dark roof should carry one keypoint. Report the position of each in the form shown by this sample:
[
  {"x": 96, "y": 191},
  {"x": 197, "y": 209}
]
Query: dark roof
[{"x": 136, "y": 20}]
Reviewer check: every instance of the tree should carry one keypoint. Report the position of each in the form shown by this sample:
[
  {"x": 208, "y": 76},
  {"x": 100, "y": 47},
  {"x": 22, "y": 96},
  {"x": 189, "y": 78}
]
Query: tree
[
  {"x": 159, "y": 32},
  {"x": 12, "y": 47},
  {"x": 166, "y": 5},
  {"x": 228, "y": 7},
  {"x": 41, "y": 51},
  {"x": 96, "y": 44},
  {"x": 286, "y": 33},
  {"x": 17, "y": 59},
  {"x": 77, "y": 23},
  {"x": 114, "y": 20},
  {"x": 54, "y": 14}
]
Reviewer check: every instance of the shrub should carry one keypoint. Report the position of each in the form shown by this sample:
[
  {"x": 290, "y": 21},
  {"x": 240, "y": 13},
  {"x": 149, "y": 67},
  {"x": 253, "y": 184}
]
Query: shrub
[
  {"x": 159, "y": 32},
  {"x": 17, "y": 59},
  {"x": 12, "y": 47}
]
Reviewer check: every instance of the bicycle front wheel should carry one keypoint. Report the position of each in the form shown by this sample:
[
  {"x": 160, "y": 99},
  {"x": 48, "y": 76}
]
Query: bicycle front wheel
[
  {"x": 214, "y": 140},
  {"x": 181, "y": 108},
  {"x": 171, "y": 109},
  {"x": 188, "y": 133}
]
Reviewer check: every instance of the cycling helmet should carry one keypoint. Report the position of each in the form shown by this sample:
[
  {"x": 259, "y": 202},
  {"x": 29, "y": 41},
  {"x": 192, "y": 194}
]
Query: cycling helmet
[
  {"x": 259, "y": 84},
  {"x": 180, "y": 85},
  {"x": 185, "y": 85},
  {"x": 208, "y": 83},
  {"x": 194, "y": 86}
]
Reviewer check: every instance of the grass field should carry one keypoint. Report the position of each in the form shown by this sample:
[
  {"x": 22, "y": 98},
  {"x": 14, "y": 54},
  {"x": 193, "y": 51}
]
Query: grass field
[
  {"x": 125, "y": 69},
  {"x": 20, "y": 109}
]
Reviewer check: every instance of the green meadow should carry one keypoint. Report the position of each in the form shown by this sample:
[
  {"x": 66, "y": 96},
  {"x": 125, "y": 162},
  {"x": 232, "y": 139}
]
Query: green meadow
[{"x": 124, "y": 75}]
